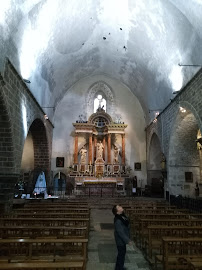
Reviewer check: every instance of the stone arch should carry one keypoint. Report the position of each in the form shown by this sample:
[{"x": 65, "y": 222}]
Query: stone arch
[
  {"x": 191, "y": 108},
  {"x": 155, "y": 153},
  {"x": 40, "y": 141},
  {"x": 105, "y": 90},
  {"x": 38, "y": 158},
  {"x": 183, "y": 154},
  {"x": 154, "y": 165}
]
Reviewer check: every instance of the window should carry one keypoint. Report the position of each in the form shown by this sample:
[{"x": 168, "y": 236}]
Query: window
[{"x": 99, "y": 102}]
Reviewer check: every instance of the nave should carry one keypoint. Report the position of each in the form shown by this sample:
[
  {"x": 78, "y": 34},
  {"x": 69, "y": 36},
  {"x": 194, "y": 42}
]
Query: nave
[
  {"x": 78, "y": 234},
  {"x": 102, "y": 250}
]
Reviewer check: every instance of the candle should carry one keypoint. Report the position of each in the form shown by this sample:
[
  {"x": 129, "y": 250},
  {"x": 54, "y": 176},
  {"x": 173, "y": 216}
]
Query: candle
[
  {"x": 59, "y": 175},
  {"x": 90, "y": 162}
]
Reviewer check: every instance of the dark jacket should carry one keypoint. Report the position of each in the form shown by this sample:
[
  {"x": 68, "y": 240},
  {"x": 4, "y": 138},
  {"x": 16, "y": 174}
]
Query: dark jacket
[{"x": 121, "y": 232}]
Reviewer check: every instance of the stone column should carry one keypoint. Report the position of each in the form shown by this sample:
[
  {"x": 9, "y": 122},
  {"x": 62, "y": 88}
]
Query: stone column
[
  {"x": 95, "y": 143},
  {"x": 76, "y": 149},
  {"x": 7, "y": 187},
  {"x": 123, "y": 149},
  {"x": 109, "y": 149},
  {"x": 90, "y": 151},
  {"x": 104, "y": 148}
]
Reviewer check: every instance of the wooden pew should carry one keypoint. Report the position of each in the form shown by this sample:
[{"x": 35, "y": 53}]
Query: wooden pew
[
  {"x": 48, "y": 215},
  {"x": 42, "y": 265},
  {"x": 131, "y": 211},
  {"x": 140, "y": 228},
  {"x": 195, "y": 265},
  {"x": 43, "y": 250},
  {"x": 46, "y": 222},
  {"x": 68, "y": 205},
  {"x": 52, "y": 210},
  {"x": 175, "y": 250},
  {"x": 157, "y": 232},
  {"x": 38, "y": 231}
]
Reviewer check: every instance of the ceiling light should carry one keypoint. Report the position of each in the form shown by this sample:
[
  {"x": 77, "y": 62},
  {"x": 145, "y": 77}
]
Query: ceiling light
[
  {"x": 155, "y": 120},
  {"x": 183, "y": 110},
  {"x": 45, "y": 116}
]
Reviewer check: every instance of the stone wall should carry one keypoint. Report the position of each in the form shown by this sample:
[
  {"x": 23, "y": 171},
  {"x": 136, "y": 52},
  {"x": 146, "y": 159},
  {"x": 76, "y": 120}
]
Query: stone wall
[
  {"x": 177, "y": 132},
  {"x": 18, "y": 111}
]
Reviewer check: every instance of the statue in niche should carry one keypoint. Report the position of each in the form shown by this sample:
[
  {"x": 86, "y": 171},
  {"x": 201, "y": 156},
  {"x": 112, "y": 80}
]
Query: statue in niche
[
  {"x": 163, "y": 162},
  {"x": 99, "y": 149},
  {"x": 116, "y": 154},
  {"x": 83, "y": 153}
]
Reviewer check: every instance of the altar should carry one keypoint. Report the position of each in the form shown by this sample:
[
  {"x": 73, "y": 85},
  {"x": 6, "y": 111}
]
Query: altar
[
  {"x": 109, "y": 187},
  {"x": 99, "y": 155}
]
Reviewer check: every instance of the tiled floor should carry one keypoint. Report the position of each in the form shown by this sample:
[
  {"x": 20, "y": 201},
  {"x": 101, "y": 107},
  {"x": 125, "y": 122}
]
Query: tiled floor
[{"x": 102, "y": 249}]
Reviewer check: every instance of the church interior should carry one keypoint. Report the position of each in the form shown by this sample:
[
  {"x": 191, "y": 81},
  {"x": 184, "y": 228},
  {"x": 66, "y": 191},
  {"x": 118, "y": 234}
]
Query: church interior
[{"x": 100, "y": 105}]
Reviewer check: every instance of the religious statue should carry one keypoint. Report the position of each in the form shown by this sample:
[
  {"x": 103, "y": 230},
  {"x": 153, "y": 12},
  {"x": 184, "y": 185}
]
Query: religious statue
[
  {"x": 116, "y": 154},
  {"x": 40, "y": 186},
  {"x": 163, "y": 162},
  {"x": 83, "y": 153},
  {"x": 100, "y": 148}
]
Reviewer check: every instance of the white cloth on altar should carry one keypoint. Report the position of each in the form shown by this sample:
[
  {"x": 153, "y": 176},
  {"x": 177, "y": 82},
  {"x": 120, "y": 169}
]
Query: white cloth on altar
[{"x": 40, "y": 186}]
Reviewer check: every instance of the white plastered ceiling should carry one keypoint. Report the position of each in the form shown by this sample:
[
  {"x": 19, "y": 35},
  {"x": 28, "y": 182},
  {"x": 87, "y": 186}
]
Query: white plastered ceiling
[{"x": 56, "y": 43}]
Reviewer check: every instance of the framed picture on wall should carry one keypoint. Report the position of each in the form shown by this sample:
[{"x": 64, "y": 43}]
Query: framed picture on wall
[
  {"x": 60, "y": 162},
  {"x": 137, "y": 166}
]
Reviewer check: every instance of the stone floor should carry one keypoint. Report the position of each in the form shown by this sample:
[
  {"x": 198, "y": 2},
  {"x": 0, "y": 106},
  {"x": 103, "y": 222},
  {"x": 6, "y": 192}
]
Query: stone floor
[{"x": 102, "y": 249}]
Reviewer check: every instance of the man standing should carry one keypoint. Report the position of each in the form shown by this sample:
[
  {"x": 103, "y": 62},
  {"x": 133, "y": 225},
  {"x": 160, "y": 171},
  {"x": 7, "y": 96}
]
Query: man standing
[{"x": 121, "y": 234}]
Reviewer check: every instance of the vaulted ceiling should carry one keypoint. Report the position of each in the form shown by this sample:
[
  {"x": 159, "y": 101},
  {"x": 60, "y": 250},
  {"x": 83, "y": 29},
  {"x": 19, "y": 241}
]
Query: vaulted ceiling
[{"x": 55, "y": 43}]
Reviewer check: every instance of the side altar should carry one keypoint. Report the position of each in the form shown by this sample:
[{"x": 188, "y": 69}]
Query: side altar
[{"x": 99, "y": 157}]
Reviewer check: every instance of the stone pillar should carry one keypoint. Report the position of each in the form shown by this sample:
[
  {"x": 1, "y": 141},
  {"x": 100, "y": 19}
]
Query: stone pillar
[
  {"x": 90, "y": 152},
  {"x": 123, "y": 149},
  {"x": 104, "y": 148},
  {"x": 109, "y": 149},
  {"x": 76, "y": 149},
  {"x": 7, "y": 186},
  {"x": 95, "y": 143}
]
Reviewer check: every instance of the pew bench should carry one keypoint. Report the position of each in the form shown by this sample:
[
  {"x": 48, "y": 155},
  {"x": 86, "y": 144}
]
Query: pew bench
[
  {"x": 48, "y": 222},
  {"x": 52, "y": 210},
  {"x": 43, "y": 250},
  {"x": 38, "y": 231},
  {"x": 140, "y": 227},
  {"x": 42, "y": 265},
  {"x": 175, "y": 250},
  {"x": 195, "y": 265},
  {"x": 48, "y": 214},
  {"x": 156, "y": 232}
]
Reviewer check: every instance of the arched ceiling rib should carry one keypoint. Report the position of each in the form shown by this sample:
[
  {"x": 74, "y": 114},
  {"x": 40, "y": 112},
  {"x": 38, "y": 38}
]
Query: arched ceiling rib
[{"x": 138, "y": 42}]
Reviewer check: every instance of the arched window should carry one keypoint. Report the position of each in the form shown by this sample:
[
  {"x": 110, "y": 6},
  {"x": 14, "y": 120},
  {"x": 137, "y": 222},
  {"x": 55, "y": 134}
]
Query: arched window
[{"x": 99, "y": 102}]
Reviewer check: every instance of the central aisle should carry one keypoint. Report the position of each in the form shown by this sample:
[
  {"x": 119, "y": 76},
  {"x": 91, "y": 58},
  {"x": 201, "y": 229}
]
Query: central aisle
[{"x": 102, "y": 249}]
